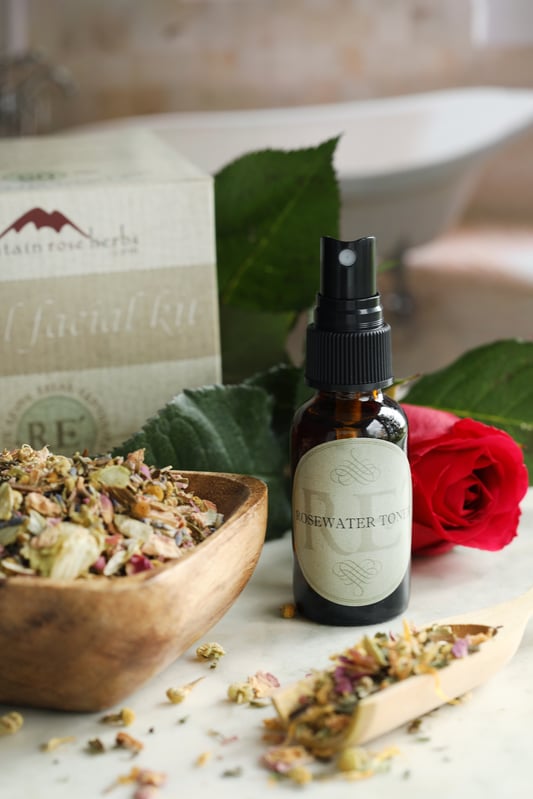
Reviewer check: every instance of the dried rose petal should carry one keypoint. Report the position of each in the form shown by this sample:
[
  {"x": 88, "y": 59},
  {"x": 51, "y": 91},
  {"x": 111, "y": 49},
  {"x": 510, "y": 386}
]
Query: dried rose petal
[
  {"x": 146, "y": 792},
  {"x": 99, "y": 564},
  {"x": 460, "y": 648},
  {"x": 282, "y": 759},
  {"x": 106, "y": 508},
  {"x": 138, "y": 563},
  {"x": 263, "y": 683}
]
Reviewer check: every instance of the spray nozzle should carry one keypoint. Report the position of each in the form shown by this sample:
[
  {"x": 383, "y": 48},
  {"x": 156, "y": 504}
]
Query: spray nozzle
[
  {"x": 348, "y": 299},
  {"x": 348, "y": 268},
  {"x": 348, "y": 346}
]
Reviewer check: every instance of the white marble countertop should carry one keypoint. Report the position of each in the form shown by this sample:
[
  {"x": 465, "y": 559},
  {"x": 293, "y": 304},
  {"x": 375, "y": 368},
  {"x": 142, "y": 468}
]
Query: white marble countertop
[{"x": 481, "y": 747}]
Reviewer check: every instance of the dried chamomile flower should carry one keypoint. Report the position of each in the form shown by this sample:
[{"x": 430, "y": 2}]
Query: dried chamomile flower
[
  {"x": 241, "y": 692},
  {"x": 54, "y": 743},
  {"x": 11, "y": 723},
  {"x": 354, "y": 759},
  {"x": 414, "y": 726},
  {"x": 210, "y": 651},
  {"x": 177, "y": 695},
  {"x": 124, "y": 717}
]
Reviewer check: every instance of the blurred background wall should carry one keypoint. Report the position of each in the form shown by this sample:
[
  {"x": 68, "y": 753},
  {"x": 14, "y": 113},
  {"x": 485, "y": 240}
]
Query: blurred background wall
[{"x": 129, "y": 57}]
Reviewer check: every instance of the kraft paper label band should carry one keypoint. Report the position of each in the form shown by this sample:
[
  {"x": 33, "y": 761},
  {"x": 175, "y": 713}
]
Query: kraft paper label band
[{"x": 107, "y": 320}]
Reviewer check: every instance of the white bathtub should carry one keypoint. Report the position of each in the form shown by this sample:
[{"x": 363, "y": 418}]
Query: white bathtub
[{"x": 407, "y": 165}]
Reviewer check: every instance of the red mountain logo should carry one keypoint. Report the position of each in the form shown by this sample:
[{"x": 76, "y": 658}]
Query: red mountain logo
[{"x": 56, "y": 221}]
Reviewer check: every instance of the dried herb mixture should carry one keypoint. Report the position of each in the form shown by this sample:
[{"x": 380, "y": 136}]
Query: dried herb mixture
[
  {"x": 317, "y": 728},
  {"x": 66, "y": 518}
]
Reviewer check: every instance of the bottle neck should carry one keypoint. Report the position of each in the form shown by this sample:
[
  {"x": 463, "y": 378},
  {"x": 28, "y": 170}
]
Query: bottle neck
[{"x": 375, "y": 395}]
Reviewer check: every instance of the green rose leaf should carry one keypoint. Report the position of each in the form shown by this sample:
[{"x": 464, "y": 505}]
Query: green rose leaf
[
  {"x": 219, "y": 429},
  {"x": 271, "y": 207},
  {"x": 493, "y": 384},
  {"x": 286, "y": 385},
  {"x": 251, "y": 341}
]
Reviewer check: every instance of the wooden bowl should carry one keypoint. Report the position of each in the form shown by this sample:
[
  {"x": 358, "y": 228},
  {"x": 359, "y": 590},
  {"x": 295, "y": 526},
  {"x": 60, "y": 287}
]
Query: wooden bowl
[{"x": 84, "y": 645}]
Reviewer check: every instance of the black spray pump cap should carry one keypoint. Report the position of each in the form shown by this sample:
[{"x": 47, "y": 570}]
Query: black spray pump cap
[
  {"x": 348, "y": 268},
  {"x": 348, "y": 346}
]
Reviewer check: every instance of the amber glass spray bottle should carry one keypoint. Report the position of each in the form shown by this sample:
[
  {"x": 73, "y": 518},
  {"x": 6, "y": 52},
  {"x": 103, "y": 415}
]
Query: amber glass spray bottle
[{"x": 351, "y": 498}]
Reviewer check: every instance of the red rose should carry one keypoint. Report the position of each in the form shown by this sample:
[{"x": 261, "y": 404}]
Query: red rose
[{"x": 468, "y": 480}]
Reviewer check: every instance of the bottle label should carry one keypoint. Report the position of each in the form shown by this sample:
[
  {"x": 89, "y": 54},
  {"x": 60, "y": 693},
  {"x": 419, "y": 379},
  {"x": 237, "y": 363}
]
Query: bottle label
[{"x": 351, "y": 510}]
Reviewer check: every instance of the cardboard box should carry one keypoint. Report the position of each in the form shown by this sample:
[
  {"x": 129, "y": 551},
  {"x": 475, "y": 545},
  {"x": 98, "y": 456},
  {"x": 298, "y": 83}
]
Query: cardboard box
[{"x": 108, "y": 304}]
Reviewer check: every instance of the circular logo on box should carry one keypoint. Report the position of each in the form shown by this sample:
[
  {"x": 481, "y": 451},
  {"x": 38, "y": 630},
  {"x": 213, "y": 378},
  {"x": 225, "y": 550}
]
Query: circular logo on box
[
  {"x": 62, "y": 423},
  {"x": 60, "y": 415}
]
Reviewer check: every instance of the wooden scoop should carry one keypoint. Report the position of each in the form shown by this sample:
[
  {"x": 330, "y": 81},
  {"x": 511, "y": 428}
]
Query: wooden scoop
[{"x": 399, "y": 703}]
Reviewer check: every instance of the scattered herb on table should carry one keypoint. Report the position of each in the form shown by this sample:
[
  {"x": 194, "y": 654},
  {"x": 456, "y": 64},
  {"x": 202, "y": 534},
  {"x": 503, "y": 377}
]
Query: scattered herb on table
[
  {"x": 414, "y": 726},
  {"x": 261, "y": 685},
  {"x": 177, "y": 695},
  {"x": 212, "y": 652},
  {"x": 124, "y": 717},
  {"x": 124, "y": 740},
  {"x": 203, "y": 758},
  {"x": 11, "y": 723},
  {"x": 232, "y": 772},
  {"x": 54, "y": 743},
  {"x": 240, "y": 692},
  {"x": 147, "y": 782},
  {"x": 288, "y": 610},
  {"x": 95, "y": 746},
  {"x": 223, "y": 739}
]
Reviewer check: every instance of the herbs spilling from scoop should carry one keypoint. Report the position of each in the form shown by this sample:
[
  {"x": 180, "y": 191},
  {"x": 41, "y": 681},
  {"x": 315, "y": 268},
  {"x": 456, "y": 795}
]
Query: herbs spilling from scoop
[
  {"x": 66, "y": 518},
  {"x": 317, "y": 714}
]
